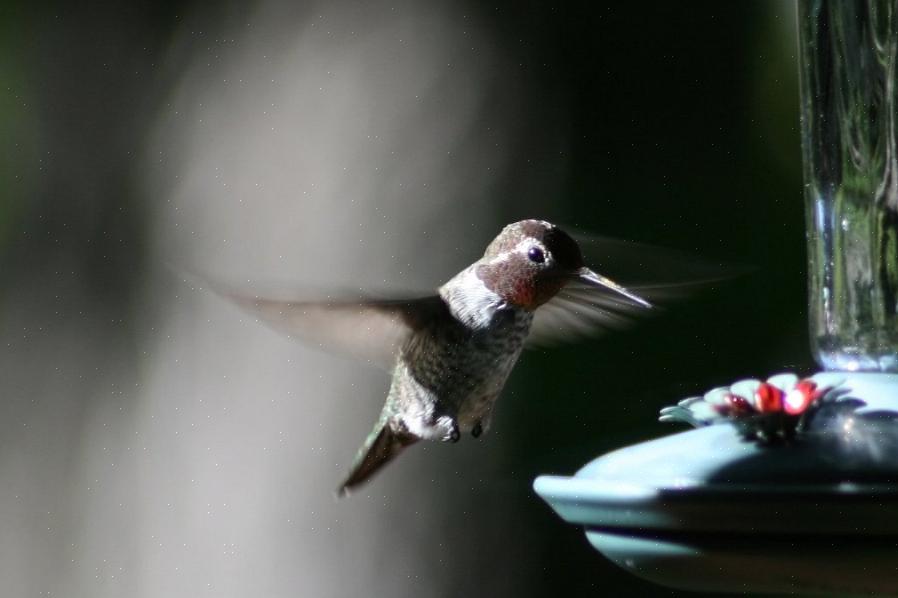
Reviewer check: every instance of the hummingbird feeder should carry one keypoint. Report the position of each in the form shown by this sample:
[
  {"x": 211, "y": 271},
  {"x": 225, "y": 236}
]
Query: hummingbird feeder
[{"x": 789, "y": 485}]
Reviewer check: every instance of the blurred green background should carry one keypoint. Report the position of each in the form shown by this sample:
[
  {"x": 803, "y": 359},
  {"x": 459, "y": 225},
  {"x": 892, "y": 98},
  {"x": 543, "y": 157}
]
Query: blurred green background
[{"x": 671, "y": 124}]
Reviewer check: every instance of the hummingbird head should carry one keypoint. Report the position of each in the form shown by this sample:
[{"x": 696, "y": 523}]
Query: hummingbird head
[{"x": 530, "y": 261}]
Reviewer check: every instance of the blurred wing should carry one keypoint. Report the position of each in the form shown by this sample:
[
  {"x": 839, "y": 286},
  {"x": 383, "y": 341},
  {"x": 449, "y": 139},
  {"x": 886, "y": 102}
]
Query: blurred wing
[
  {"x": 638, "y": 265},
  {"x": 658, "y": 275},
  {"x": 580, "y": 311},
  {"x": 371, "y": 330}
]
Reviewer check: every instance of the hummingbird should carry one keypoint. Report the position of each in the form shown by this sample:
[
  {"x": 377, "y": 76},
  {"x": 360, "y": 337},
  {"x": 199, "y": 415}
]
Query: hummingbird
[{"x": 452, "y": 351}]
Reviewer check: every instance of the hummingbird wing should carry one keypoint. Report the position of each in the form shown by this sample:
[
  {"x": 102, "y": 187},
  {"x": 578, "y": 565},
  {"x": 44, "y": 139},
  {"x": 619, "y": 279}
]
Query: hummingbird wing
[
  {"x": 577, "y": 312},
  {"x": 661, "y": 276},
  {"x": 661, "y": 271},
  {"x": 369, "y": 329}
]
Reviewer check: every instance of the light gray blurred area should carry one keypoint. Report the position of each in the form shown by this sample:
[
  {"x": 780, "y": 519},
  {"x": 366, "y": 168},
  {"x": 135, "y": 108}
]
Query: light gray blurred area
[{"x": 157, "y": 441}]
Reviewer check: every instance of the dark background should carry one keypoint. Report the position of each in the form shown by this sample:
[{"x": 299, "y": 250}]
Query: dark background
[{"x": 677, "y": 125}]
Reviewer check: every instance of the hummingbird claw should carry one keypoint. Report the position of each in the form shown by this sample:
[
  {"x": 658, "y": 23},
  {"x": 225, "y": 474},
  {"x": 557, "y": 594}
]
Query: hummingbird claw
[
  {"x": 477, "y": 430},
  {"x": 454, "y": 433},
  {"x": 445, "y": 428}
]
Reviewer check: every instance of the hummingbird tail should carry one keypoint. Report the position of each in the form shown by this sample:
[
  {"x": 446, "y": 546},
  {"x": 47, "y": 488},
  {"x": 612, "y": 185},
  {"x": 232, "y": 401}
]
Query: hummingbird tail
[{"x": 380, "y": 448}]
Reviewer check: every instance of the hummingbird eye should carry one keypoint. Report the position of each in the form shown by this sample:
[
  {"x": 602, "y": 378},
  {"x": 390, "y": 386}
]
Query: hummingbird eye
[{"x": 535, "y": 254}]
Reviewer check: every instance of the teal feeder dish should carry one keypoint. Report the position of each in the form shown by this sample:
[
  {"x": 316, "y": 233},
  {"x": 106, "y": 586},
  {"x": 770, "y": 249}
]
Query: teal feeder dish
[{"x": 709, "y": 510}]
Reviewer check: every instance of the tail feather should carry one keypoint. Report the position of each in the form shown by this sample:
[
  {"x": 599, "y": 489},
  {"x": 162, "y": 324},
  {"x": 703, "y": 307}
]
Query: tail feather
[{"x": 381, "y": 446}]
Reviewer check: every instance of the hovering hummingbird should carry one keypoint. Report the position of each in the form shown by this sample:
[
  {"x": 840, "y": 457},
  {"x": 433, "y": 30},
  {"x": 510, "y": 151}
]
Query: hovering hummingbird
[{"x": 451, "y": 352}]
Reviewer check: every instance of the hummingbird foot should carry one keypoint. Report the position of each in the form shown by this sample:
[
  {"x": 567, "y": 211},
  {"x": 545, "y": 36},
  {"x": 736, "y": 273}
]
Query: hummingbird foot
[
  {"x": 477, "y": 430},
  {"x": 452, "y": 433},
  {"x": 444, "y": 428},
  {"x": 455, "y": 434}
]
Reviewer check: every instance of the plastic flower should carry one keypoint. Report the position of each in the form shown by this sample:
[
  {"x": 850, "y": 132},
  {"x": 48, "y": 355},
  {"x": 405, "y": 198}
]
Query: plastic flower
[{"x": 770, "y": 411}]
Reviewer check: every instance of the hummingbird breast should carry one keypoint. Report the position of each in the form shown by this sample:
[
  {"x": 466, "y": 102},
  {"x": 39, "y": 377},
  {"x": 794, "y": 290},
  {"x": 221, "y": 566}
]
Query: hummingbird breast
[{"x": 455, "y": 370}]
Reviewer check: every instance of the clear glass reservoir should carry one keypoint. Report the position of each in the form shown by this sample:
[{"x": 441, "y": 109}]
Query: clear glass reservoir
[{"x": 848, "y": 119}]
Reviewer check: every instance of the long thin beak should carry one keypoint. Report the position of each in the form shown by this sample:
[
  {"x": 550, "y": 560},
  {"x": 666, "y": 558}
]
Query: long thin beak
[{"x": 589, "y": 277}]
